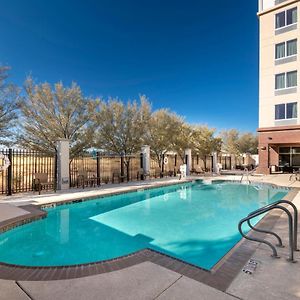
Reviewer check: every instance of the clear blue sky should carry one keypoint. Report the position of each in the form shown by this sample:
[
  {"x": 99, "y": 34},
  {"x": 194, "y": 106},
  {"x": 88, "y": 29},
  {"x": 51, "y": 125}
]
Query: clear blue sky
[{"x": 198, "y": 58}]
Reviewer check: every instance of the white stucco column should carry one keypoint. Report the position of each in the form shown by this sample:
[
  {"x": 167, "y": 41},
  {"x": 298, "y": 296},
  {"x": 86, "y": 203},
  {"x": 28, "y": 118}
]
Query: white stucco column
[
  {"x": 233, "y": 162},
  {"x": 146, "y": 159},
  {"x": 63, "y": 164},
  {"x": 188, "y": 161},
  {"x": 215, "y": 163}
]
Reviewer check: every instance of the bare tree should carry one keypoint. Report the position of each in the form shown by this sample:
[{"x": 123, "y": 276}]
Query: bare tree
[
  {"x": 163, "y": 132},
  {"x": 248, "y": 143},
  {"x": 183, "y": 139},
  {"x": 9, "y": 95},
  {"x": 230, "y": 140},
  {"x": 235, "y": 142},
  {"x": 121, "y": 127},
  {"x": 49, "y": 114},
  {"x": 205, "y": 142}
]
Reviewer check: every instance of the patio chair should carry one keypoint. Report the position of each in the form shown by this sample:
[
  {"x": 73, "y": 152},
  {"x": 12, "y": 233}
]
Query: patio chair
[
  {"x": 41, "y": 181},
  {"x": 159, "y": 174},
  {"x": 141, "y": 175},
  {"x": 117, "y": 175},
  {"x": 84, "y": 180},
  {"x": 296, "y": 174},
  {"x": 197, "y": 170}
]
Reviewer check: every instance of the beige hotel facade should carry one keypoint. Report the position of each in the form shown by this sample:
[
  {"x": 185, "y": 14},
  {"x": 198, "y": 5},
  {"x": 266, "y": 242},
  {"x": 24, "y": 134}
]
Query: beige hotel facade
[{"x": 279, "y": 88}]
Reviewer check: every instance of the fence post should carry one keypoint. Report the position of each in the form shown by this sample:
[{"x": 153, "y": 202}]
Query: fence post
[
  {"x": 162, "y": 167},
  {"x": 122, "y": 168},
  {"x": 55, "y": 171},
  {"x": 98, "y": 169},
  {"x": 63, "y": 164},
  {"x": 9, "y": 173}
]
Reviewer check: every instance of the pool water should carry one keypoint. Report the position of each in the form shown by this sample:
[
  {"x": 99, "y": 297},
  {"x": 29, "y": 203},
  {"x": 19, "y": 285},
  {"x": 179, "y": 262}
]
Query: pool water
[{"x": 195, "y": 222}]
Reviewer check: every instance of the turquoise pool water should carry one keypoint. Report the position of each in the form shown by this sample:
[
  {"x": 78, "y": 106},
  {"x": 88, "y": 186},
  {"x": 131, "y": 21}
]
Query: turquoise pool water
[{"x": 195, "y": 222}]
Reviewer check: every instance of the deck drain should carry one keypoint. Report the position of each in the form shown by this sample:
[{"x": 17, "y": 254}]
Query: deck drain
[{"x": 250, "y": 267}]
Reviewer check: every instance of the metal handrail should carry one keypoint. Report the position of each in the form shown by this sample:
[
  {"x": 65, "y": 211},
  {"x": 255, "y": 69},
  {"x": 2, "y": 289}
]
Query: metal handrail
[
  {"x": 262, "y": 211},
  {"x": 295, "y": 229},
  {"x": 280, "y": 244}
]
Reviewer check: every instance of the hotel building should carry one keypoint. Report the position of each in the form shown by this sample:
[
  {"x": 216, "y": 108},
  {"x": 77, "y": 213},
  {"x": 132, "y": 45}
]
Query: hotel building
[{"x": 279, "y": 89}]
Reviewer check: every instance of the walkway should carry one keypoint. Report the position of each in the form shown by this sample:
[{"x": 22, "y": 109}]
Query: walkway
[{"x": 143, "y": 281}]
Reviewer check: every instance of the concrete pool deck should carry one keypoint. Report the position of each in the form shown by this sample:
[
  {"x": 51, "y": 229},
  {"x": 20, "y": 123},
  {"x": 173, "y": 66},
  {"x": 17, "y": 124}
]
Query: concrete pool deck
[{"x": 273, "y": 279}]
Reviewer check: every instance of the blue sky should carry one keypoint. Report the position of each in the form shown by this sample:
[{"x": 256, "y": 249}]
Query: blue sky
[{"x": 198, "y": 58}]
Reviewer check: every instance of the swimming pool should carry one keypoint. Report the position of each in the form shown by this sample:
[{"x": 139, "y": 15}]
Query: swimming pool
[{"x": 195, "y": 222}]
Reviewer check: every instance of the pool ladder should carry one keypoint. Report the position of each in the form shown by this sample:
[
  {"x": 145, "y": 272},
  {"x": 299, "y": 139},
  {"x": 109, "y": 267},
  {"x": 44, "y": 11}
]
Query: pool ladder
[{"x": 292, "y": 222}]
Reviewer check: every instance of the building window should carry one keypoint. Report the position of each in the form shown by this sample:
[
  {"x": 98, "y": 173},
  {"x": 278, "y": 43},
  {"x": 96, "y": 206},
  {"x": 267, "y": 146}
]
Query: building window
[
  {"x": 279, "y": 111},
  {"x": 280, "y": 19},
  {"x": 286, "y": 111},
  {"x": 291, "y": 47},
  {"x": 286, "y": 18},
  {"x": 291, "y": 79},
  {"x": 286, "y": 80},
  {"x": 291, "y": 16},
  {"x": 280, "y": 81},
  {"x": 289, "y": 157},
  {"x": 286, "y": 49},
  {"x": 291, "y": 110},
  {"x": 280, "y": 50}
]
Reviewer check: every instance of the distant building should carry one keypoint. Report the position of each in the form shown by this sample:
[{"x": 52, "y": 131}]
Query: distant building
[{"x": 279, "y": 92}]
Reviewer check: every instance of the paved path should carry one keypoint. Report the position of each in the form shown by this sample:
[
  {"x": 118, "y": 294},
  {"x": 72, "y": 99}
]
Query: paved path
[
  {"x": 8, "y": 211},
  {"x": 142, "y": 281},
  {"x": 78, "y": 193}
]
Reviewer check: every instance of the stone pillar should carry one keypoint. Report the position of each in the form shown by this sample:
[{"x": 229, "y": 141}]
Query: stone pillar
[
  {"x": 215, "y": 163},
  {"x": 63, "y": 164},
  {"x": 233, "y": 162},
  {"x": 146, "y": 160},
  {"x": 264, "y": 159},
  {"x": 188, "y": 161}
]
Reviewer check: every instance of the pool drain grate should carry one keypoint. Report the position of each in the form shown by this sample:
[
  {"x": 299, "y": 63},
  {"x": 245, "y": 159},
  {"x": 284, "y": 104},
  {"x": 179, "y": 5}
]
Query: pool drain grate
[{"x": 250, "y": 267}]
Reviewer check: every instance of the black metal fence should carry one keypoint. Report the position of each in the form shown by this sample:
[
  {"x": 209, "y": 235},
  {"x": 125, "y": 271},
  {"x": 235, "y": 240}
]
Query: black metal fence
[
  {"x": 97, "y": 169},
  {"x": 24, "y": 165},
  {"x": 94, "y": 169}
]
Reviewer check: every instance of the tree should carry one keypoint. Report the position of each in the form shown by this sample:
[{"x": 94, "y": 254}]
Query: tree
[
  {"x": 230, "y": 140},
  {"x": 205, "y": 142},
  {"x": 162, "y": 133},
  {"x": 49, "y": 114},
  {"x": 9, "y": 95},
  {"x": 121, "y": 127},
  {"x": 248, "y": 143},
  {"x": 237, "y": 143},
  {"x": 183, "y": 138}
]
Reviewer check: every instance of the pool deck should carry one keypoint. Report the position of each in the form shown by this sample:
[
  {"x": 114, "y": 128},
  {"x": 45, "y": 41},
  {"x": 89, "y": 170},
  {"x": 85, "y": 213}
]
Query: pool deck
[{"x": 149, "y": 279}]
